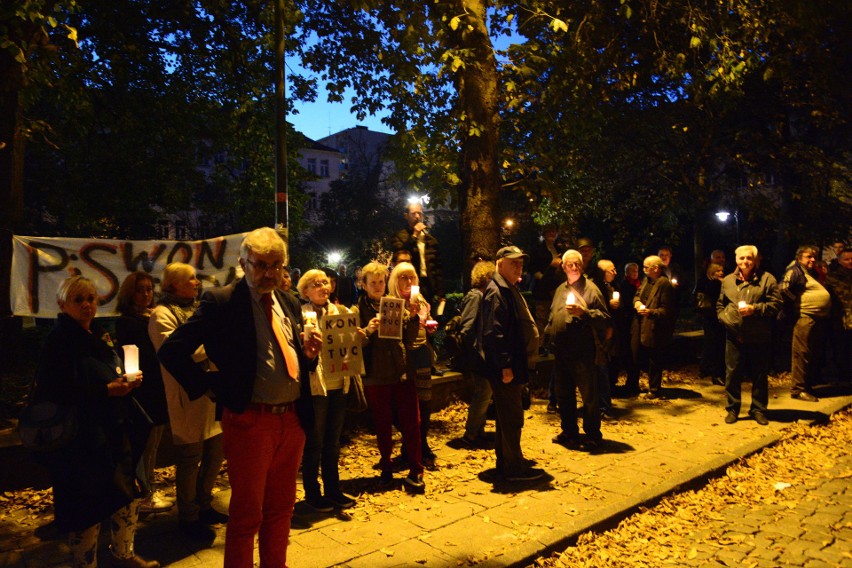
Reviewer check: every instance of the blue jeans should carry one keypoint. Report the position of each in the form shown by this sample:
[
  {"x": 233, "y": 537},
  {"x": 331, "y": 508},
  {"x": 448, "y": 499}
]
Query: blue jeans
[{"x": 322, "y": 445}]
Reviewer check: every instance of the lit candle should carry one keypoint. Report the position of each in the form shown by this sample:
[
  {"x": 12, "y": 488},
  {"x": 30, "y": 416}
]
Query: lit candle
[
  {"x": 310, "y": 321},
  {"x": 674, "y": 281},
  {"x": 571, "y": 299},
  {"x": 131, "y": 362},
  {"x": 741, "y": 304},
  {"x": 616, "y": 295},
  {"x": 641, "y": 306},
  {"x": 415, "y": 291}
]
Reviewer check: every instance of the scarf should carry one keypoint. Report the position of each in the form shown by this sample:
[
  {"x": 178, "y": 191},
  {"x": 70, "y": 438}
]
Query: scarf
[{"x": 182, "y": 308}]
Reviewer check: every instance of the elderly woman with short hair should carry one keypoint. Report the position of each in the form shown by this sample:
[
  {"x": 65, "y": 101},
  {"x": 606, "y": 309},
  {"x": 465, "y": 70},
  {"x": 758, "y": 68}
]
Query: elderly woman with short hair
[
  {"x": 385, "y": 384},
  {"x": 196, "y": 433},
  {"x": 94, "y": 476},
  {"x": 328, "y": 396}
]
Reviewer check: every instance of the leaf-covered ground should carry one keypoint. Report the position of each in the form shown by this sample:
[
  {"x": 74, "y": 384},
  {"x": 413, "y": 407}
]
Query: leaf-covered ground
[{"x": 685, "y": 527}]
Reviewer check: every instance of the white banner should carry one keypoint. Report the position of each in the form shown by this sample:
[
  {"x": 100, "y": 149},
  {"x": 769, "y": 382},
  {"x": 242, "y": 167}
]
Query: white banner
[{"x": 39, "y": 264}]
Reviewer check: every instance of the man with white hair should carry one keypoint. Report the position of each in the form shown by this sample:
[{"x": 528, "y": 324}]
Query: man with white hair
[
  {"x": 656, "y": 312},
  {"x": 262, "y": 382},
  {"x": 747, "y": 306},
  {"x": 578, "y": 321}
]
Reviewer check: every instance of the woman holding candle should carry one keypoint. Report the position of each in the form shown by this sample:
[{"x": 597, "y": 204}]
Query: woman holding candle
[
  {"x": 747, "y": 306},
  {"x": 196, "y": 433},
  {"x": 403, "y": 283},
  {"x": 328, "y": 396},
  {"x": 94, "y": 476},
  {"x": 135, "y": 302},
  {"x": 385, "y": 384}
]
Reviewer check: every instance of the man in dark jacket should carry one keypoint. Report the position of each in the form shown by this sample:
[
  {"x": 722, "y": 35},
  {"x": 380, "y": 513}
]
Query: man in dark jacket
[
  {"x": 653, "y": 327},
  {"x": 509, "y": 345},
  {"x": 809, "y": 304},
  {"x": 262, "y": 382},
  {"x": 578, "y": 321},
  {"x": 415, "y": 238},
  {"x": 747, "y": 306}
]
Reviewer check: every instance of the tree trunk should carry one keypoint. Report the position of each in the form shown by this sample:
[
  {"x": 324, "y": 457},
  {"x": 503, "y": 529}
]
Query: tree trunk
[
  {"x": 478, "y": 100},
  {"x": 11, "y": 199}
]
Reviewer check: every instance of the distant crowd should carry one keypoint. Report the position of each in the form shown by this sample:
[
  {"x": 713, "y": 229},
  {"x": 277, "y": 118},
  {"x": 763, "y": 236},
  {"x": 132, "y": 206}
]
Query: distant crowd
[{"x": 236, "y": 374}]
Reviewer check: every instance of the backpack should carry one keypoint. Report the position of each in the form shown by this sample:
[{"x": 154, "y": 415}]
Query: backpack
[{"x": 453, "y": 342}]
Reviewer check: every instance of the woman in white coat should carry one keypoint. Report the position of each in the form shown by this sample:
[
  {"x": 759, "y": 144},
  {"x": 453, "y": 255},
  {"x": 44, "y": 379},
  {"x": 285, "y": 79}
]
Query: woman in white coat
[{"x": 196, "y": 433}]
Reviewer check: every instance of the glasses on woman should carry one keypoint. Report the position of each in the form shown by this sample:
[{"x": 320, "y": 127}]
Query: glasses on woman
[{"x": 319, "y": 283}]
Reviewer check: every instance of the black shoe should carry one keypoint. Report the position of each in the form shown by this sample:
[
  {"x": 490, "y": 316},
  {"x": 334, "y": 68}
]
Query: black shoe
[
  {"x": 415, "y": 483},
  {"x": 197, "y": 530},
  {"x": 552, "y": 408},
  {"x": 760, "y": 418},
  {"x": 652, "y": 395},
  {"x": 437, "y": 372},
  {"x": 340, "y": 500},
  {"x": 319, "y": 504},
  {"x": 570, "y": 442},
  {"x": 530, "y": 474},
  {"x": 593, "y": 444},
  {"x": 731, "y": 417},
  {"x": 386, "y": 478},
  {"x": 467, "y": 443},
  {"x": 718, "y": 381},
  {"x": 212, "y": 517},
  {"x": 804, "y": 395}
]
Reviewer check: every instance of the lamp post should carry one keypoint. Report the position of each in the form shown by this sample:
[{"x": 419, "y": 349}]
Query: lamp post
[{"x": 723, "y": 217}]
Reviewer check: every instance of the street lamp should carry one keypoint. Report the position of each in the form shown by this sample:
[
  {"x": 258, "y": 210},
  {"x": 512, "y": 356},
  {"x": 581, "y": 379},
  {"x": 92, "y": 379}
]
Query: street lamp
[
  {"x": 334, "y": 258},
  {"x": 723, "y": 217}
]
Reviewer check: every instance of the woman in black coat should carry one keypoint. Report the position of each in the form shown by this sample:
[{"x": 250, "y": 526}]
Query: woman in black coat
[
  {"x": 135, "y": 300},
  {"x": 94, "y": 475}
]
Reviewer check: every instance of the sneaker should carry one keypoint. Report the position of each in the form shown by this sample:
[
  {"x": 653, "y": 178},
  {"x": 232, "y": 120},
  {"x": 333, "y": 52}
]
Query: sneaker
[
  {"x": 132, "y": 562},
  {"x": 386, "y": 478},
  {"x": 415, "y": 483},
  {"x": 804, "y": 395},
  {"x": 197, "y": 530},
  {"x": 340, "y": 500},
  {"x": 731, "y": 417},
  {"x": 155, "y": 504},
  {"x": 530, "y": 474},
  {"x": 212, "y": 517},
  {"x": 760, "y": 418},
  {"x": 319, "y": 504}
]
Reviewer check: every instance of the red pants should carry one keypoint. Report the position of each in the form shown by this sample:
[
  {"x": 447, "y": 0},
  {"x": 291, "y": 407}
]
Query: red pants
[
  {"x": 263, "y": 452},
  {"x": 382, "y": 400}
]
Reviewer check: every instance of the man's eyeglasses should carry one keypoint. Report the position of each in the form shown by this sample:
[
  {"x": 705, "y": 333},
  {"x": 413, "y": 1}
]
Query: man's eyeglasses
[
  {"x": 261, "y": 266},
  {"x": 574, "y": 264}
]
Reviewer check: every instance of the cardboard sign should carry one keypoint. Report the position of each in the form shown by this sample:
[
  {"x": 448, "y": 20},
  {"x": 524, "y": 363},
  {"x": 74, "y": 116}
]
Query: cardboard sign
[
  {"x": 341, "y": 354},
  {"x": 39, "y": 264},
  {"x": 391, "y": 311}
]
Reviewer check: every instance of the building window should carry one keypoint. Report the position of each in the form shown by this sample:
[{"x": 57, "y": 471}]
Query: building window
[
  {"x": 312, "y": 165},
  {"x": 162, "y": 229},
  {"x": 324, "y": 168}
]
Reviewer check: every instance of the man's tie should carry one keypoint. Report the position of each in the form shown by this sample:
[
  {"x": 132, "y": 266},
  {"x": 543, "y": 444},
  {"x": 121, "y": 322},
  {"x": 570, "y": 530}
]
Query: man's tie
[{"x": 289, "y": 353}]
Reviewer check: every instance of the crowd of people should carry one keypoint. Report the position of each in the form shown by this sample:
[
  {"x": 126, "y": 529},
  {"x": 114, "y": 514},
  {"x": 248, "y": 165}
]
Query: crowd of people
[{"x": 235, "y": 372}]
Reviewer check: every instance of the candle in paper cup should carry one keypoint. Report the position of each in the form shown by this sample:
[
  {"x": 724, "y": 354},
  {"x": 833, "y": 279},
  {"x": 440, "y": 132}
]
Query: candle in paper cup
[
  {"x": 310, "y": 321},
  {"x": 741, "y": 304},
  {"x": 641, "y": 306},
  {"x": 571, "y": 299},
  {"x": 415, "y": 291},
  {"x": 131, "y": 362},
  {"x": 616, "y": 295}
]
